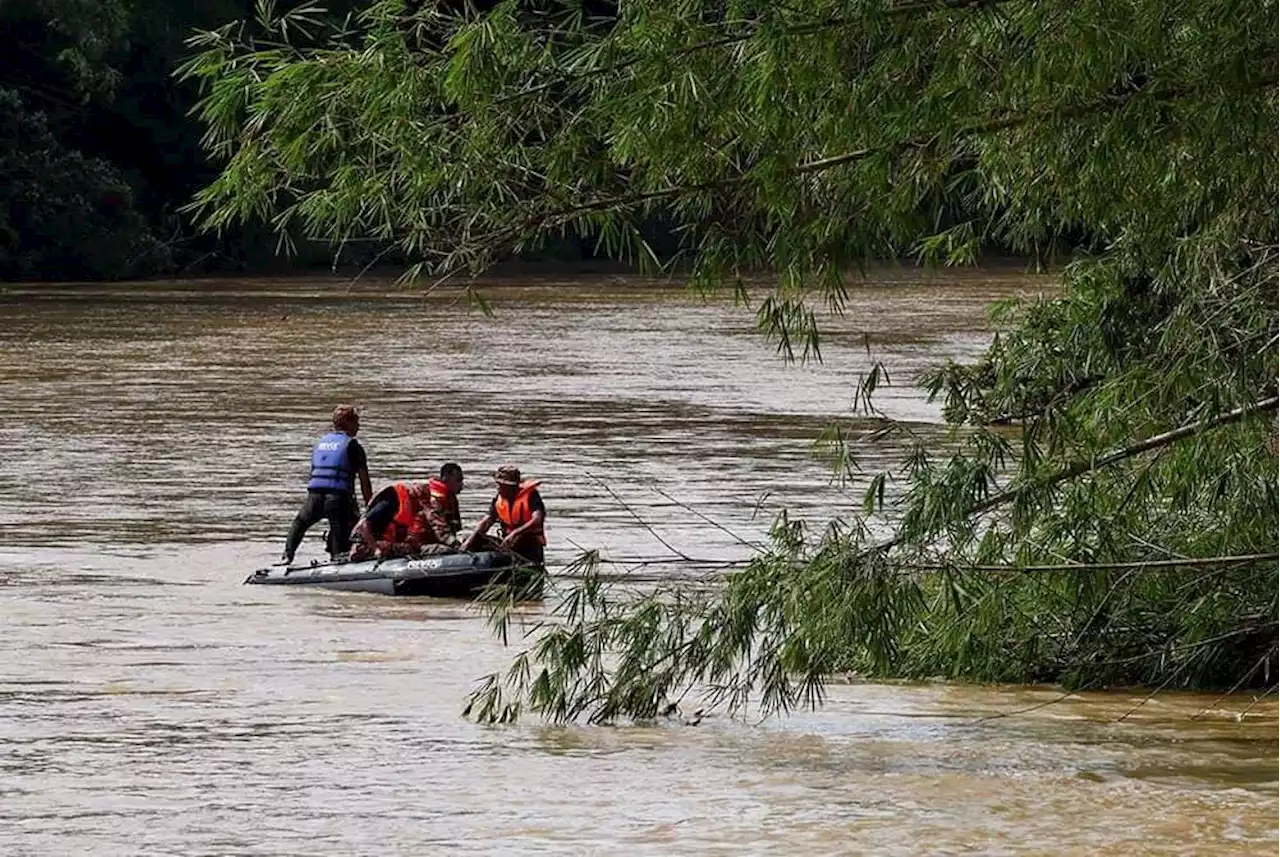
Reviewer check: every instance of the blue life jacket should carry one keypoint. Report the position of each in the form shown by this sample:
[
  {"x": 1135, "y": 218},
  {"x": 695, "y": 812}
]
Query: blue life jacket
[{"x": 330, "y": 465}]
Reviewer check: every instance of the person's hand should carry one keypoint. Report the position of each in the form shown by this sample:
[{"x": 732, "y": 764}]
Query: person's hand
[{"x": 506, "y": 543}]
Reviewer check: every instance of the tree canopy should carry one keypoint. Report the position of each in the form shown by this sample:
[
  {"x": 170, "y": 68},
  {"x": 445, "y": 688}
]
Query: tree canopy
[
  {"x": 1126, "y": 532},
  {"x": 97, "y": 151}
]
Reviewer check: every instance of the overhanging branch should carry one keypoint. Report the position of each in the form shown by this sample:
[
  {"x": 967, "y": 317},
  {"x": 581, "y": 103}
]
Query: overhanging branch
[
  {"x": 832, "y": 23},
  {"x": 1079, "y": 468},
  {"x": 977, "y": 128}
]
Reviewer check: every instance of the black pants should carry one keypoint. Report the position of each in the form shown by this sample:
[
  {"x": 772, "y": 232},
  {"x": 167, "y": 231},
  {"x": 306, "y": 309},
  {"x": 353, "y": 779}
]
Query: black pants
[{"x": 338, "y": 509}]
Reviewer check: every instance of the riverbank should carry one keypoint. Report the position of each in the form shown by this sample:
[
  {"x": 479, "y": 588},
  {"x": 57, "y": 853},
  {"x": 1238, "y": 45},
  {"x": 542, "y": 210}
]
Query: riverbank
[{"x": 600, "y": 272}]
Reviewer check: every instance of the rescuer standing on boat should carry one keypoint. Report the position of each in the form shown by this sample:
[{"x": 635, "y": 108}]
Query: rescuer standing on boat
[
  {"x": 519, "y": 512},
  {"x": 336, "y": 460}
]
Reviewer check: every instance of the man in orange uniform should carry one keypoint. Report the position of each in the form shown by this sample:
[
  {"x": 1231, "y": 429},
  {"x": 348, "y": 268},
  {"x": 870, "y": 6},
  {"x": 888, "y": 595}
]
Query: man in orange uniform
[
  {"x": 394, "y": 525},
  {"x": 442, "y": 516},
  {"x": 519, "y": 512}
]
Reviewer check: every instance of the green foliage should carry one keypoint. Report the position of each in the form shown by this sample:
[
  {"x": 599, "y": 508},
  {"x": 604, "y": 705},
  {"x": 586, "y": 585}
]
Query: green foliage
[
  {"x": 66, "y": 214},
  {"x": 803, "y": 140},
  {"x": 76, "y": 41}
]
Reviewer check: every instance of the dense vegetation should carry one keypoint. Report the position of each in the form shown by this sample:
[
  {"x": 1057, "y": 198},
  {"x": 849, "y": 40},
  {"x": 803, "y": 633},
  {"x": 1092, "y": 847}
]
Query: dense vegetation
[
  {"x": 99, "y": 155},
  {"x": 1126, "y": 531},
  {"x": 96, "y": 153}
]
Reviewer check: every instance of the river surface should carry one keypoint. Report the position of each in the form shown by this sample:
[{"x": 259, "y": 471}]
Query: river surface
[{"x": 156, "y": 438}]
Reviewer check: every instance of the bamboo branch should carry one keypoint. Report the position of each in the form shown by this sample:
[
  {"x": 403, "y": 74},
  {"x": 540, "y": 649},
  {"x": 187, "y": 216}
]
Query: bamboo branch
[
  {"x": 561, "y": 216},
  {"x": 832, "y": 23},
  {"x": 1241, "y": 713},
  {"x": 1155, "y": 691},
  {"x": 1039, "y": 705},
  {"x": 1192, "y": 645},
  {"x": 1190, "y": 562},
  {"x": 1239, "y": 683},
  {"x": 1079, "y": 468}
]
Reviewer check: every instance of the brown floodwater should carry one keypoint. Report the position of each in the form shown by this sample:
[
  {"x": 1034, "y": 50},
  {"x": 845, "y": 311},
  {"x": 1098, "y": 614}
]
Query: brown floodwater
[{"x": 156, "y": 440}]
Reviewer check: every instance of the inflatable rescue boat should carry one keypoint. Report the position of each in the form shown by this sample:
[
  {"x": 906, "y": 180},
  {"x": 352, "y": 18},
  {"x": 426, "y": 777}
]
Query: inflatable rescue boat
[{"x": 450, "y": 575}]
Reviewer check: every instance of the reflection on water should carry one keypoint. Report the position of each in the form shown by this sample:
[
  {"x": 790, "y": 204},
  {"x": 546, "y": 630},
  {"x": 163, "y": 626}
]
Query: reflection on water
[{"x": 156, "y": 440}]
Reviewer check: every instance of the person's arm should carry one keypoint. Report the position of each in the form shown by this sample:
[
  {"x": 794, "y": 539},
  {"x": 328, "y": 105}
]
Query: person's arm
[
  {"x": 366, "y": 487},
  {"x": 481, "y": 528},
  {"x": 514, "y": 536},
  {"x": 438, "y": 525},
  {"x": 360, "y": 464}
]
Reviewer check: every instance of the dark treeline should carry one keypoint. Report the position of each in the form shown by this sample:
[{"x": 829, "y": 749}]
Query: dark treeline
[
  {"x": 99, "y": 155},
  {"x": 97, "y": 152}
]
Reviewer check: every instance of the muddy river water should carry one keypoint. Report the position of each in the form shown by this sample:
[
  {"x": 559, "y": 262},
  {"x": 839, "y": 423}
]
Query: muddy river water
[{"x": 155, "y": 440}]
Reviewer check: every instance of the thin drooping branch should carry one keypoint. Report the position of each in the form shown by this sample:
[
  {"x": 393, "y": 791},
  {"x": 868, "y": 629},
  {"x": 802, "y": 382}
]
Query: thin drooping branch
[
  {"x": 1238, "y": 684},
  {"x": 832, "y": 23},
  {"x": 755, "y": 546},
  {"x": 623, "y": 503},
  {"x": 550, "y": 219},
  {"x": 1079, "y": 468},
  {"x": 1173, "y": 674}
]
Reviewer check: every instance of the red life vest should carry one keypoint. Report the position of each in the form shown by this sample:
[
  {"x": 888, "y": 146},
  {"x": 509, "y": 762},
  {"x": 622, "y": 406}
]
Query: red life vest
[
  {"x": 404, "y": 520},
  {"x": 517, "y": 513}
]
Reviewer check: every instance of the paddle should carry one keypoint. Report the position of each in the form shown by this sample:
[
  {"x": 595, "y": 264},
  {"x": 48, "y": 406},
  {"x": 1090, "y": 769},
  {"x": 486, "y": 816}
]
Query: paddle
[{"x": 288, "y": 563}]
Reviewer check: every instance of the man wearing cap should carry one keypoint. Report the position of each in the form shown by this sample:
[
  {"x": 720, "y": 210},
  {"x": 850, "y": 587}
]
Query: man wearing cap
[
  {"x": 519, "y": 512},
  {"x": 336, "y": 460}
]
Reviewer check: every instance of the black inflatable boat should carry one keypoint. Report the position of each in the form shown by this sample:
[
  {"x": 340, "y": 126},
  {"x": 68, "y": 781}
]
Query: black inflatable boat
[{"x": 451, "y": 575}]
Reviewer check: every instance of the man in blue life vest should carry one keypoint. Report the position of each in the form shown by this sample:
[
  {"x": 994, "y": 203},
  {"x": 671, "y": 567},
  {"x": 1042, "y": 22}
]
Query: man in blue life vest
[{"x": 336, "y": 460}]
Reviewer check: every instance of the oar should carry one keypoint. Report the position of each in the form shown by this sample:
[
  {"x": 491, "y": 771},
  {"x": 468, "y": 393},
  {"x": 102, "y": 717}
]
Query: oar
[{"x": 288, "y": 564}]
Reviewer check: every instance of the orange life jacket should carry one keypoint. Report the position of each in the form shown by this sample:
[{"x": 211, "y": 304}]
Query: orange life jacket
[
  {"x": 406, "y": 514},
  {"x": 517, "y": 513}
]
